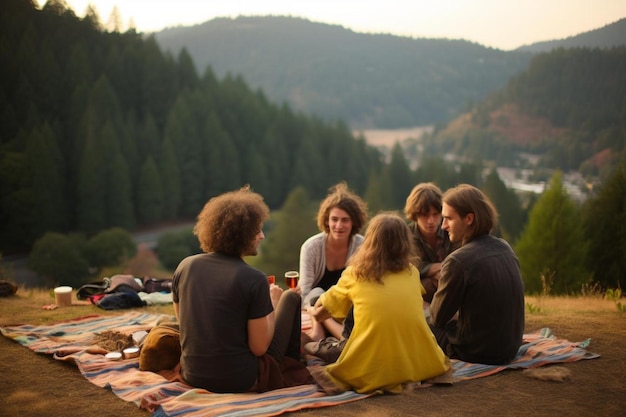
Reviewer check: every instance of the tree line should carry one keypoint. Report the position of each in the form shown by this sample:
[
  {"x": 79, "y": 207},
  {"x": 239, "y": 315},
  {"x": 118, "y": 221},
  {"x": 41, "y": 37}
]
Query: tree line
[{"x": 562, "y": 246}]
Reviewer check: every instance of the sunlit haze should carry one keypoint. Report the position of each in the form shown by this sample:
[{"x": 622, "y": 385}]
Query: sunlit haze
[{"x": 495, "y": 23}]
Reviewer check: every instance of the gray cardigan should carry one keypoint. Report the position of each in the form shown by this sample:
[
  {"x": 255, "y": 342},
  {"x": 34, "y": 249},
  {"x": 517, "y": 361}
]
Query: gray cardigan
[{"x": 313, "y": 261}]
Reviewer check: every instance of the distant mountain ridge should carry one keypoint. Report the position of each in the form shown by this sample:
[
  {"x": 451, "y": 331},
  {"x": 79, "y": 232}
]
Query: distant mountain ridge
[
  {"x": 368, "y": 80},
  {"x": 608, "y": 36}
]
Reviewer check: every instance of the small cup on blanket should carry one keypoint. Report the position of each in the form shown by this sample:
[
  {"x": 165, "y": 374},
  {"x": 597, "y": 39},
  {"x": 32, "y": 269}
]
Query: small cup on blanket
[{"x": 131, "y": 352}]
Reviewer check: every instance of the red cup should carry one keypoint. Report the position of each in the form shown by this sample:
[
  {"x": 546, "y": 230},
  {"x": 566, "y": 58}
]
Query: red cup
[{"x": 271, "y": 279}]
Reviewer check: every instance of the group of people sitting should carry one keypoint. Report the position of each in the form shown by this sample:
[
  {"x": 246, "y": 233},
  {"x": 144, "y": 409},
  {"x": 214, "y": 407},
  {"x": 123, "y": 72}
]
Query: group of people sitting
[{"x": 389, "y": 308}]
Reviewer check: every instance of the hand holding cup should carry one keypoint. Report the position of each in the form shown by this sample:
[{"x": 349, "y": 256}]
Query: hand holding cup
[{"x": 275, "y": 293}]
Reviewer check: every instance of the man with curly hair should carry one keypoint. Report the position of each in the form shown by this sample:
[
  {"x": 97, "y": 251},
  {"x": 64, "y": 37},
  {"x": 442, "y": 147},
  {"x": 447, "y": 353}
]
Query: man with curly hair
[{"x": 236, "y": 330}]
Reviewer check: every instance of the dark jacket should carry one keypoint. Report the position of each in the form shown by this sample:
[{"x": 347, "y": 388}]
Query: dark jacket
[{"x": 482, "y": 282}]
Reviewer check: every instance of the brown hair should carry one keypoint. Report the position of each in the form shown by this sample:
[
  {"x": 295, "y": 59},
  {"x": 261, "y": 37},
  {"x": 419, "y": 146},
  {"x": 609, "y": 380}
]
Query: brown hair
[
  {"x": 465, "y": 199},
  {"x": 340, "y": 197},
  {"x": 388, "y": 247},
  {"x": 229, "y": 223},
  {"x": 421, "y": 199}
]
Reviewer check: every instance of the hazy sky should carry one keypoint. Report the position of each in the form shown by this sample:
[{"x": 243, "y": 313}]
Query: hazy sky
[{"x": 503, "y": 24}]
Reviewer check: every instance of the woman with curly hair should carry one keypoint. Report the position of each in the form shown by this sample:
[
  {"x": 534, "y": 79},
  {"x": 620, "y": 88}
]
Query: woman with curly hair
[
  {"x": 391, "y": 344},
  {"x": 236, "y": 330},
  {"x": 323, "y": 257}
]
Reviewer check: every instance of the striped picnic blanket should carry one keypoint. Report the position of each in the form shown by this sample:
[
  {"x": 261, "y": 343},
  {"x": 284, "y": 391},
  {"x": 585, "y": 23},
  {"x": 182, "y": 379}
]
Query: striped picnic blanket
[
  {"x": 73, "y": 341},
  {"x": 539, "y": 348}
]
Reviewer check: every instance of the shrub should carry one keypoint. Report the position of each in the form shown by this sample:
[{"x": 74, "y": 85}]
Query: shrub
[
  {"x": 172, "y": 247},
  {"x": 110, "y": 248},
  {"x": 58, "y": 258}
]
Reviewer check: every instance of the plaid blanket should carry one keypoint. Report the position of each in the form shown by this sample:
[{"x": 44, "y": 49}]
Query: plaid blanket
[{"x": 74, "y": 341}]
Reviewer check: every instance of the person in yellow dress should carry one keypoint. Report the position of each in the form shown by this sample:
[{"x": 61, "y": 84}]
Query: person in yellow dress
[{"x": 391, "y": 344}]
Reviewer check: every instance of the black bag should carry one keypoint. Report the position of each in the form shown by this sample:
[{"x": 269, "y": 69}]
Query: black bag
[
  {"x": 151, "y": 285},
  {"x": 94, "y": 288},
  {"x": 117, "y": 283},
  {"x": 120, "y": 300}
]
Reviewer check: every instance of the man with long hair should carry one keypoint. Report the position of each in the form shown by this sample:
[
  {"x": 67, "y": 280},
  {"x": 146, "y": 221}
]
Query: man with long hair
[{"x": 477, "y": 313}]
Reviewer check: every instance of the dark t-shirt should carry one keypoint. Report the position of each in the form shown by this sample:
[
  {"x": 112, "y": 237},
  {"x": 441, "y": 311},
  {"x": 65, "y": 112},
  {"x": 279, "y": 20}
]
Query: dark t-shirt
[
  {"x": 329, "y": 278},
  {"x": 216, "y": 296}
]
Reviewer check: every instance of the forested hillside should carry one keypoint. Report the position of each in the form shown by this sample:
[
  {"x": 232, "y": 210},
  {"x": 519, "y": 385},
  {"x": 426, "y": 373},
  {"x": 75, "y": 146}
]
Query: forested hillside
[
  {"x": 607, "y": 37},
  {"x": 368, "y": 80},
  {"x": 569, "y": 108},
  {"x": 103, "y": 129}
]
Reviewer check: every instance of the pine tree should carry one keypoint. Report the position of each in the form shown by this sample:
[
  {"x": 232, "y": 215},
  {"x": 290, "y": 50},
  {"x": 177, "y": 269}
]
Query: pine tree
[
  {"x": 170, "y": 180},
  {"x": 258, "y": 165},
  {"x": 400, "y": 177},
  {"x": 120, "y": 209},
  {"x": 222, "y": 170},
  {"x": 377, "y": 199},
  {"x": 306, "y": 168},
  {"x": 294, "y": 224},
  {"x": 183, "y": 132},
  {"x": 46, "y": 182},
  {"x": 552, "y": 248},
  {"x": 276, "y": 158},
  {"x": 91, "y": 201},
  {"x": 437, "y": 171},
  {"x": 604, "y": 218},
  {"x": 508, "y": 205},
  {"x": 149, "y": 194},
  {"x": 16, "y": 200}
]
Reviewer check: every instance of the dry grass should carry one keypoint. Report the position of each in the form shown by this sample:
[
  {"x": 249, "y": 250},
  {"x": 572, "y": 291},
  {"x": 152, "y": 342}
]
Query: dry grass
[
  {"x": 571, "y": 305},
  {"x": 26, "y": 307}
]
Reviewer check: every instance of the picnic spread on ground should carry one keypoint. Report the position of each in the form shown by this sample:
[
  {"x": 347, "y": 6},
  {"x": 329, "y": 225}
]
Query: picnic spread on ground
[{"x": 79, "y": 341}]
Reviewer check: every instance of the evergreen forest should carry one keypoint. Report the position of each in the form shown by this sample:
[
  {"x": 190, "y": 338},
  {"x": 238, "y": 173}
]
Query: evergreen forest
[
  {"x": 103, "y": 132},
  {"x": 103, "y": 129}
]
